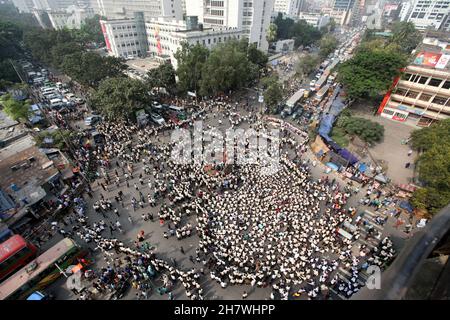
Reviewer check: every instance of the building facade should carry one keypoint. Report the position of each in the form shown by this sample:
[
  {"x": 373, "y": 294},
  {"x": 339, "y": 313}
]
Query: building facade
[
  {"x": 161, "y": 37},
  {"x": 317, "y": 20},
  {"x": 120, "y": 9},
  {"x": 250, "y": 16},
  {"x": 289, "y": 7},
  {"x": 341, "y": 11},
  {"x": 72, "y": 18},
  {"x": 422, "y": 94},
  {"x": 427, "y": 13},
  {"x": 125, "y": 38}
]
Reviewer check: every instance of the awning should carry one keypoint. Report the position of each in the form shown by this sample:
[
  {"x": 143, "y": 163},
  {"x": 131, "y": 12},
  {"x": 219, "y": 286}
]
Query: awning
[
  {"x": 332, "y": 166},
  {"x": 381, "y": 178}
]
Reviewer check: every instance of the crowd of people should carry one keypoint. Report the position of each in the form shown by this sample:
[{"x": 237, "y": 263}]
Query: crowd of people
[{"x": 274, "y": 231}]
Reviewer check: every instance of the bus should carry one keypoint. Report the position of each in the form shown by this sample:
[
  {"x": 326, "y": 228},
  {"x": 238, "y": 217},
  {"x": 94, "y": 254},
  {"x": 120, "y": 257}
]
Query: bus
[
  {"x": 321, "y": 93},
  {"x": 42, "y": 271},
  {"x": 14, "y": 254}
]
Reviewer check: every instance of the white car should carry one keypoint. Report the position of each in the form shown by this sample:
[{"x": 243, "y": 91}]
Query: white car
[
  {"x": 157, "y": 118},
  {"x": 89, "y": 121},
  {"x": 70, "y": 96}
]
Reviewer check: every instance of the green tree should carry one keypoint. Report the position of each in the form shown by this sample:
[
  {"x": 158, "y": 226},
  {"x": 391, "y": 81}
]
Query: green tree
[
  {"x": 327, "y": 45},
  {"x": 255, "y": 55},
  {"x": 17, "y": 110},
  {"x": 190, "y": 65},
  {"x": 228, "y": 68},
  {"x": 118, "y": 98},
  {"x": 362, "y": 75},
  {"x": 433, "y": 166},
  {"x": 307, "y": 64},
  {"x": 304, "y": 34},
  {"x": 162, "y": 77},
  {"x": 367, "y": 130},
  {"x": 89, "y": 68},
  {"x": 425, "y": 138},
  {"x": 273, "y": 93},
  {"x": 59, "y": 138},
  {"x": 283, "y": 26},
  {"x": 91, "y": 31},
  {"x": 271, "y": 35},
  {"x": 406, "y": 36}
]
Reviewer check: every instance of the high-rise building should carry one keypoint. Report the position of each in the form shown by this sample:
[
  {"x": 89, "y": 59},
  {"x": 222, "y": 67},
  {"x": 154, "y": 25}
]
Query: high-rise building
[
  {"x": 289, "y": 7},
  {"x": 160, "y": 37},
  {"x": 427, "y": 13},
  {"x": 251, "y": 16},
  {"x": 342, "y": 10},
  {"x": 119, "y": 9},
  {"x": 422, "y": 94},
  {"x": 24, "y": 5}
]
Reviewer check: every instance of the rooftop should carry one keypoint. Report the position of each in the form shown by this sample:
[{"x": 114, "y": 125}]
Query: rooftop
[
  {"x": 10, "y": 129},
  {"x": 24, "y": 169}
]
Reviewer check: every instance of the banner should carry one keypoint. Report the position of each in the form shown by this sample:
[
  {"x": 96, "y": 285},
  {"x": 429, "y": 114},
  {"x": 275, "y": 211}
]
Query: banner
[
  {"x": 428, "y": 59},
  {"x": 443, "y": 61},
  {"x": 105, "y": 35}
]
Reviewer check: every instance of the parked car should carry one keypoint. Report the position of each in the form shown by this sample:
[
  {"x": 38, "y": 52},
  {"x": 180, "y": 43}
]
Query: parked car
[
  {"x": 89, "y": 121},
  {"x": 157, "y": 118}
]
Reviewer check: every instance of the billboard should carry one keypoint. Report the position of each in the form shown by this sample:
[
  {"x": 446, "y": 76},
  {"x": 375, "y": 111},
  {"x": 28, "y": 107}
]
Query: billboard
[
  {"x": 443, "y": 61},
  {"x": 105, "y": 35},
  {"x": 428, "y": 59}
]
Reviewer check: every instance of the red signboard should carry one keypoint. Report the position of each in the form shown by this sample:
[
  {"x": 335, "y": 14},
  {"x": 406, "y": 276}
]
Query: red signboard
[
  {"x": 105, "y": 35},
  {"x": 428, "y": 59}
]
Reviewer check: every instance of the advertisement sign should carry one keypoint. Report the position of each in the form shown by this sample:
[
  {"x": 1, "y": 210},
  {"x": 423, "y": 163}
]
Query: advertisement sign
[
  {"x": 443, "y": 61},
  {"x": 428, "y": 59},
  {"x": 108, "y": 45}
]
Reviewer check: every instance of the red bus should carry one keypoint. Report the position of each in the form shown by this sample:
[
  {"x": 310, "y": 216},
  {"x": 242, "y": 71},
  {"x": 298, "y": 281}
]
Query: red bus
[{"x": 15, "y": 253}]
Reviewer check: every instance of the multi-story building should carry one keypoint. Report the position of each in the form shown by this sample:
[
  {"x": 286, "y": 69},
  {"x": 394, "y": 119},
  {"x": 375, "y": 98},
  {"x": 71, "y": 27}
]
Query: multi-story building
[
  {"x": 289, "y": 7},
  {"x": 317, "y": 20},
  {"x": 126, "y": 38},
  {"x": 165, "y": 37},
  {"x": 251, "y": 16},
  {"x": 119, "y": 9},
  {"x": 160, "y": 37},
  {"x": 422, "y": 94},
  {"x": 427, "y": 13},
  {"x": 72, "y": 18},
  {"x": 24, "y": 5},
  {"x": 341, "y": 11}
]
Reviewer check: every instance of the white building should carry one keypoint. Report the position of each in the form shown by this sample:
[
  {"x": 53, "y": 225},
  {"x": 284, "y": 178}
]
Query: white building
[
  {"x": 251, "y": 16},
  {"x": 161, "y": 37},
  {"x": 164, "y": 37},
  {"x": 24, "y": 5},
  {"x": 317, "y": 20},
  {"x": 289, "y": 7},
  {"x": 125, "y": 38},
  {"x": 72, "y": 18},
  {"x": 427, "y": 13},
  {"x": 119, "y": 9}
]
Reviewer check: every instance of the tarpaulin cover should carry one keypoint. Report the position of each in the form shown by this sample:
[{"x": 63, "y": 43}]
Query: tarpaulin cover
[
  {"x": 344, "y": 153},
  {"x": 337, "y": 106},
  {"x": 362, "y": 167},
  {"x": 332, "y": 166},
  {"x": 326, "y": 124},
  {"x": 406, "y": 205}
]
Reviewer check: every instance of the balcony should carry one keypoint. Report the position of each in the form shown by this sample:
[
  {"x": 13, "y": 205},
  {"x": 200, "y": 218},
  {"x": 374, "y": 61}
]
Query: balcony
[{"x": 423, "y": 87}]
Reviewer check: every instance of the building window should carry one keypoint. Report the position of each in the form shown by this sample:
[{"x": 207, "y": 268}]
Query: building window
[
  {"x": 440, "y": 100},
  {"x": 446, "y": 85},
  {"x": 412, "y": 94},
  {"x": 425, "y": 97},
  {"x": 435, "y": 82},
  {"x": 209, "y": 41},
  {"x": 422, "y": 80}
]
